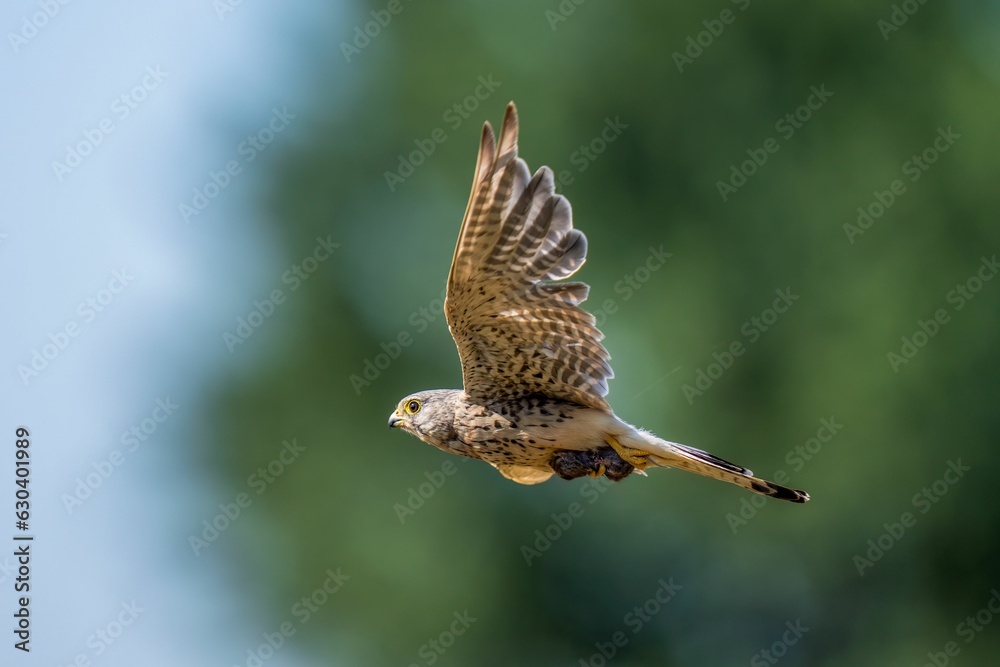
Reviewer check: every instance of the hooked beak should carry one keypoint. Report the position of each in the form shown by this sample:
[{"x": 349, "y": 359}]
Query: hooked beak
[{"x": 394, "y": 420}]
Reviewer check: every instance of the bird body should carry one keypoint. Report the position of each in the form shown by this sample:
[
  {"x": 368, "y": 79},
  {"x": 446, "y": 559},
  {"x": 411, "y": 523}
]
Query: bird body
[
  {"x": 520, "y": 432},
  {"x": 534, "y": 369}
]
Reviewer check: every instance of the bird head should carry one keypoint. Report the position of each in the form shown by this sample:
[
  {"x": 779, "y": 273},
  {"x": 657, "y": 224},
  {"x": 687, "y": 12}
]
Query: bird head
[{"x": 429, "y": 415}]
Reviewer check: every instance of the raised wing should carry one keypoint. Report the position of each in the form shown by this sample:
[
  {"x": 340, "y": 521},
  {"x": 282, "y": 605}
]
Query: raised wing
[{"x": 518, "y": 333}]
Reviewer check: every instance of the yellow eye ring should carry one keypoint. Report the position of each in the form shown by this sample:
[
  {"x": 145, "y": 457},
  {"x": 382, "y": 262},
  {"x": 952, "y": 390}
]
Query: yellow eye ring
[{"x": 412, "y": 406}]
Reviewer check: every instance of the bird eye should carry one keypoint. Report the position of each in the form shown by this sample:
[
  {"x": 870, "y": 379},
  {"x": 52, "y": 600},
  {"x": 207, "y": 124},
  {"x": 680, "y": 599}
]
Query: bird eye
[{"x": 412, "y": 407}]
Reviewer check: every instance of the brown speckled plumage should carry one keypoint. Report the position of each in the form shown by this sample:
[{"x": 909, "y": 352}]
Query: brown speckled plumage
[{"x": 535, "y": 372}]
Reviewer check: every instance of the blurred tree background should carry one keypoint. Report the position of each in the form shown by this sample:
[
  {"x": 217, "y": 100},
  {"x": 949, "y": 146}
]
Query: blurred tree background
[{"x": 695, "y": 90}]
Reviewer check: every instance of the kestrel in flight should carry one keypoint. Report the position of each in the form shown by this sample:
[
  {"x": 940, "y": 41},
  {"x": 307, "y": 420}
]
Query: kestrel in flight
[{"x": 534, "y": 369}]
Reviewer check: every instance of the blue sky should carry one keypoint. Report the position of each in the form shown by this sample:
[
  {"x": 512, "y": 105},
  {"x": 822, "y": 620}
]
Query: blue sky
[{"x": 114, "y": 115}]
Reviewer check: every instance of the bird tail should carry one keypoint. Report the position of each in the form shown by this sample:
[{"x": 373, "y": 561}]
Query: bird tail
[{"x": 675, "y": 455}]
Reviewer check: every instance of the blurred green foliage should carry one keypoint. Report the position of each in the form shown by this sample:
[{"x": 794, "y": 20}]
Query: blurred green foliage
[{"x": 655, "y": 185}]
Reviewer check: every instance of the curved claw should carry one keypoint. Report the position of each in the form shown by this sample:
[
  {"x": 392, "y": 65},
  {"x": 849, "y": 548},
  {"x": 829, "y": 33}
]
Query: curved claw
[{"x": 599, "y": 472}]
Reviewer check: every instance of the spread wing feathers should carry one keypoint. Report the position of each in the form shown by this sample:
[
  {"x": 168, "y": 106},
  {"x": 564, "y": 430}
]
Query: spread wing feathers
[{"x": 517, "y": 333}]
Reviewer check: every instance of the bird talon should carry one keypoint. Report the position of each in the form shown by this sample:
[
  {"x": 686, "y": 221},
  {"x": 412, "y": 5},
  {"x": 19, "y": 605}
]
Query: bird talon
[
  {"x": 599, "y": 472},
  {"x": 636, "y": 457}
]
